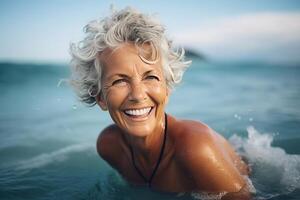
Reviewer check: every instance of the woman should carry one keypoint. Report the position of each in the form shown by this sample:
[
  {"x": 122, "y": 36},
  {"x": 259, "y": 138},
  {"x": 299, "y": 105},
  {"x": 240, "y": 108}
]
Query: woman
[{"x": 127, "y": 66}]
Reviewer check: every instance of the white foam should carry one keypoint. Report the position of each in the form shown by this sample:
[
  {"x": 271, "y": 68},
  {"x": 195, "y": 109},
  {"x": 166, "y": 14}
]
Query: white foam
[
  {"x": 55, "y": 156},
  {"x": 272, "y": 167},
  {"x": 217, "y": 196},
  {"x": 249, "y": 185},
  {"x": 207, "y": 196}
]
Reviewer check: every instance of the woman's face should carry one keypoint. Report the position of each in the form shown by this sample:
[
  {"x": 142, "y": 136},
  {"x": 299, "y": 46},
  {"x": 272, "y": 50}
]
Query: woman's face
[{"x": 134, "y": 92}]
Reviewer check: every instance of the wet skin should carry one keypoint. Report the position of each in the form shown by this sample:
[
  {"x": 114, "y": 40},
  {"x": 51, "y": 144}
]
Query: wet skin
[{"x": 195, "y": 158}]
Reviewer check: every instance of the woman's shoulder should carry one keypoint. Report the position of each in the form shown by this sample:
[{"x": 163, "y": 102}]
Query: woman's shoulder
[
  {"x": 188, "y": 133},
  {"x": 192, "y": 138},
  {"x": 200, "y": 153},
  {"x": 108, "y": 142}
]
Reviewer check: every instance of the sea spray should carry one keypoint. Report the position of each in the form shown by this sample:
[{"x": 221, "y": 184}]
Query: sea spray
[{"x": 274, "y": 172}]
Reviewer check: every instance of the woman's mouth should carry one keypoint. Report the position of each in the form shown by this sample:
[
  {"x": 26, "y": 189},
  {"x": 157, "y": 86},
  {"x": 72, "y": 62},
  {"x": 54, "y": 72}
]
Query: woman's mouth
[{"x": 138, "y": 113}]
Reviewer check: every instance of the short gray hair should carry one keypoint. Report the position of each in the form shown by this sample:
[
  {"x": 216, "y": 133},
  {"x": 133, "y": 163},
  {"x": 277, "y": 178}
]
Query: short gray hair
[{"x": 126, "y": 25}]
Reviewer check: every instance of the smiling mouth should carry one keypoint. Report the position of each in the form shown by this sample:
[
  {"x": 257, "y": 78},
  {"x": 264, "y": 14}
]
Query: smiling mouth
[{"x": 138, "y": 113}]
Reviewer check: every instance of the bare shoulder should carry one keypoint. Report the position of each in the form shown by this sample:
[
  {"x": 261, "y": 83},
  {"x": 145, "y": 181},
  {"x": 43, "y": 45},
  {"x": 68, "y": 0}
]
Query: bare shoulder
[
  {"x": 191, "y": 134},
  {"x": 201, "y": 153},
  {"x": 108, "y": 142}
]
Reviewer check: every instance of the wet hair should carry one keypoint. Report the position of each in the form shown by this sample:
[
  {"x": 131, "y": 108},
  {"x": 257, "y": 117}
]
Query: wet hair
[{"x": 124, "y": 26}]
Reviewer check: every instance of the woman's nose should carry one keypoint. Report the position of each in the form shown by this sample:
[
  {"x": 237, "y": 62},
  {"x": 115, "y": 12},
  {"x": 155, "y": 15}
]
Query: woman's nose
[{"x": 137, "y": 92}]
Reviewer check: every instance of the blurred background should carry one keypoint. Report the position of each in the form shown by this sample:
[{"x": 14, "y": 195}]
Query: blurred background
[{"x": 244, "y": 83}]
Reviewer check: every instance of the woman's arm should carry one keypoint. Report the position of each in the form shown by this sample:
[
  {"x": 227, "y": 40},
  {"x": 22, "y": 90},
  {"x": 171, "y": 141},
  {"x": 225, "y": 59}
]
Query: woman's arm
[
  {"x": 239, "y": 163},
  {"x": 206, "y": 160}
]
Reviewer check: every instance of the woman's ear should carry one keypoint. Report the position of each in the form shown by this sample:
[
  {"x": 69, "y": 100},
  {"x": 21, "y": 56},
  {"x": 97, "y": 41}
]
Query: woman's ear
[
  {"x": 167, "y": 96},
  {"x": 100, "y": 101}
]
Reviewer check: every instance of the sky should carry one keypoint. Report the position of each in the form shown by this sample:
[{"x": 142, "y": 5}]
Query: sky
[{"x": 258, "y": 30}]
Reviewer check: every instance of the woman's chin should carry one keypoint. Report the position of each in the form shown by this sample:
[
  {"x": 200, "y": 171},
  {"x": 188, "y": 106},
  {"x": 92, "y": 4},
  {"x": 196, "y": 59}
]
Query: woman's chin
[{"x": 139, "y": 131}]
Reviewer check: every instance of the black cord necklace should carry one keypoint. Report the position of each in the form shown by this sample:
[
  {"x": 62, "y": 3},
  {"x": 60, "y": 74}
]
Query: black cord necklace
[{"x": 159, "y": 158}]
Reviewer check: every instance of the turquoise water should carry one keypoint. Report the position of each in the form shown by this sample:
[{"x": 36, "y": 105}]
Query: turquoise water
[{"x": 47, "y": 138}]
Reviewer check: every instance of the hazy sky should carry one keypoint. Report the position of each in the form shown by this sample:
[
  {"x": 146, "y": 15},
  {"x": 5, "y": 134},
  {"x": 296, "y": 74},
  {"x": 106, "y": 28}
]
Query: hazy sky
[{"x": 267, "y": 30}]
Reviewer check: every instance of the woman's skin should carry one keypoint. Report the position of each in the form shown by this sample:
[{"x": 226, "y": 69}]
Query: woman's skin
[{"x": 195, "y": 157}]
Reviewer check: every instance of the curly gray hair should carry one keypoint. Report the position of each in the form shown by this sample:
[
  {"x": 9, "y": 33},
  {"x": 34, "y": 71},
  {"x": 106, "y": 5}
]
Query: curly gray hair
[{"x": 127, "y": 25}]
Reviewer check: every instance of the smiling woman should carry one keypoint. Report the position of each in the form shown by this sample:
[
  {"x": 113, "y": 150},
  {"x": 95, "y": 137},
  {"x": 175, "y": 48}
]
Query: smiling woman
[
  {"x": 134, "y": 92},
  {"x": 127, "y": 66}
]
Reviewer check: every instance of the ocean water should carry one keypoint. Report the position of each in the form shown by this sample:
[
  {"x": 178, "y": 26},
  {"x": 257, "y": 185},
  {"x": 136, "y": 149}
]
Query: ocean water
[{"x": 47, "y": 138}]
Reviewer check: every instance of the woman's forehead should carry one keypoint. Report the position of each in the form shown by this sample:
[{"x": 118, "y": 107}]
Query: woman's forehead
[{"x": 123, "y": 59}]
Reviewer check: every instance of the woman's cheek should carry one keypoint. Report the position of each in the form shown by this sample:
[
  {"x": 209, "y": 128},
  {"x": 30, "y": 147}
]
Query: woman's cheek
[
  {"x": 158, "y": 92},
  {"x": 115, "y": 97}
]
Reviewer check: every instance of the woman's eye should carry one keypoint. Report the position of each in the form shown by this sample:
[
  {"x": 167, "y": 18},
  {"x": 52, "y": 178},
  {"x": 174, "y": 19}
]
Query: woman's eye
[
  {"x": 119, "y": 82},
  {"x": 152, "y": 77}
]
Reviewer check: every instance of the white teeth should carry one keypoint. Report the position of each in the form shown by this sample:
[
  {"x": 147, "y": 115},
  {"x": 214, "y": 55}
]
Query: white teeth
[{"x": 138, "y": 112}]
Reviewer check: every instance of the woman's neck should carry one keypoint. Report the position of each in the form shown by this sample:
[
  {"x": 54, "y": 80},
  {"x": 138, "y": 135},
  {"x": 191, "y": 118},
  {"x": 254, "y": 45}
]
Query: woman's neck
[{"x": 147, "y": 148}]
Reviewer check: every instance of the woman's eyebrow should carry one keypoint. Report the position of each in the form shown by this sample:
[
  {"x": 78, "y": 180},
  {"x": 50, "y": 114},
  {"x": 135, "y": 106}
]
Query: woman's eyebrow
[
  {"x": 118, "y": 75},
  {"x": 148, "y": 72},
  {"x": 126, "y": 76}
]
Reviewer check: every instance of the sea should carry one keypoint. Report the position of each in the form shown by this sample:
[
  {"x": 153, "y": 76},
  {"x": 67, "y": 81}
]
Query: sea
[{"x": 48, "y": 138}]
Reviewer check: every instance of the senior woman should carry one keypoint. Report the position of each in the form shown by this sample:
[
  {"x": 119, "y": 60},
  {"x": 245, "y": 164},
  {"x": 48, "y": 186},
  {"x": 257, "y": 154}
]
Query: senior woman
[{"x": 127, "y": 66}]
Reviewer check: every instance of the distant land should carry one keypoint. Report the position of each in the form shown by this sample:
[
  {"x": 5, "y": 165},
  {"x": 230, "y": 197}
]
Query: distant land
[{"x": 194, "y": 54}]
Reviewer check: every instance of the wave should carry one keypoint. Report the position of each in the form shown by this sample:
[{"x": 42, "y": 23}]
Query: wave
[
  {"x": 55, "y": 156},
  {"x": 274, "y": 172}
]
